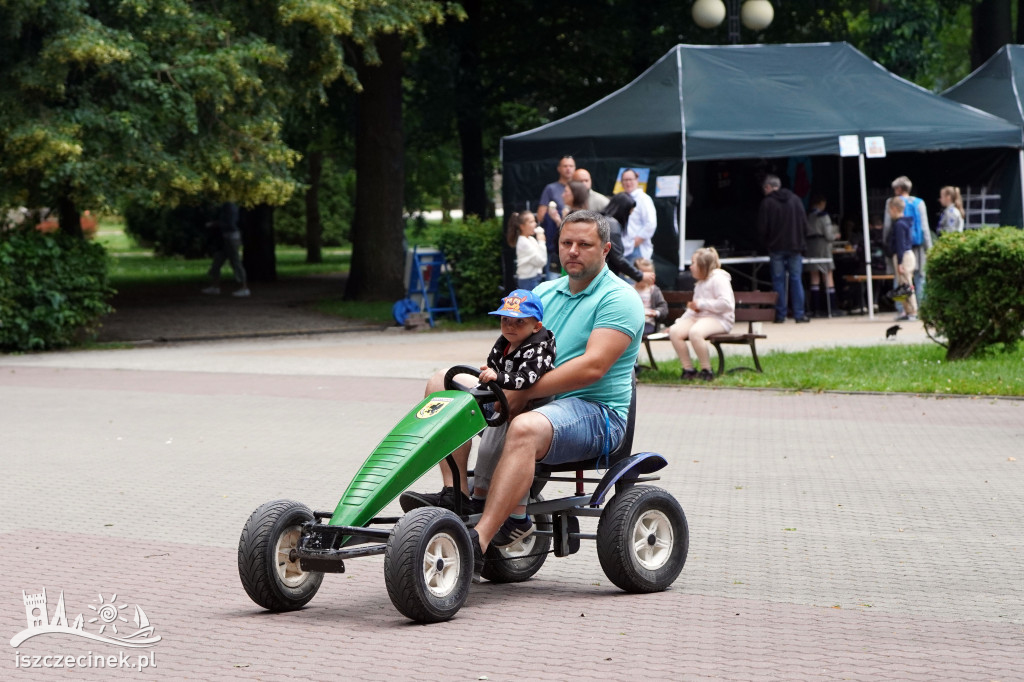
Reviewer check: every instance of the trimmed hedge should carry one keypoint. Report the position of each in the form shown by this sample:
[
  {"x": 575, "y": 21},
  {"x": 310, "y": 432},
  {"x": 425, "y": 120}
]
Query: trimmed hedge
[
  {"x": 53, "y": 289},
  {"x": 473, "y": 248},
  {"x": 975, "y": 290}
]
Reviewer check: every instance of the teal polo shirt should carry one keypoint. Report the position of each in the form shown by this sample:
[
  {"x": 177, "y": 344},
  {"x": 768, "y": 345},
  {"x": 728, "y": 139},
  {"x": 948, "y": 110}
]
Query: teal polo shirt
[{"x": 607, "y": 303}]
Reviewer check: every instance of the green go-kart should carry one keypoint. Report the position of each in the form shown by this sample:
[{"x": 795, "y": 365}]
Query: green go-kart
[{"x": 285, "y": 548}]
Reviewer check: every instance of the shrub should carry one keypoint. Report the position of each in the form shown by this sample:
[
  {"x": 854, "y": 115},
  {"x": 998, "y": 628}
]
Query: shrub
[
  {"x": 975, "y": 290},
  {"x": 53, "y": 288},
  {"x": 473, "y": 248}
]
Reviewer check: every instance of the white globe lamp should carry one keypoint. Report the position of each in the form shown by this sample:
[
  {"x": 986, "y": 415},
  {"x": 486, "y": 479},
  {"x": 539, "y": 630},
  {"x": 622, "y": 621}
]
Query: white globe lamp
[
  {"x": 755, "y": 14},
  {"x": 709, "y": 13}
]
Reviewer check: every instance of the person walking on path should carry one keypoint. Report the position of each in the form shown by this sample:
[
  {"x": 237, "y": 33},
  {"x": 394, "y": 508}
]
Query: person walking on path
[
  {"x": 227, "y": 250},
  {"x": 782, "y": 228},
  {"x": 920, "y": 233}
]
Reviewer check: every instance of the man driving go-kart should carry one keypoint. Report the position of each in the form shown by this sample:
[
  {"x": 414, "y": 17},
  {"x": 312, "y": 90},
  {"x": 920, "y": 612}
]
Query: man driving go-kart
[{"x": 597, "y": 320}]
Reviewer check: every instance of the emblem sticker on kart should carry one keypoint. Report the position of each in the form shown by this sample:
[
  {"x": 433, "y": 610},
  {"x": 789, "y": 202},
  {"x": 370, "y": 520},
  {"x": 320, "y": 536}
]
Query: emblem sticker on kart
[{"x": 433, "y": 407}]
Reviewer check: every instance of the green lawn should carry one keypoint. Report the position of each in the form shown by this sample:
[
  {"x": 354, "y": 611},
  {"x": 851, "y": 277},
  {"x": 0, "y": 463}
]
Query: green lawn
[
  {"x": 919, "y": 368},
  {"x": 134, "y": 266}
]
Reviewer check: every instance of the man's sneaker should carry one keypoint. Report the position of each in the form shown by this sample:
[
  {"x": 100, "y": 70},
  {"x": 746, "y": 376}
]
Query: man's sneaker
[
  {"x": 706, "y": 375},
  {"x": 241, "y": 293},
  {"x": 211, "y": 290},
  {"x": 478, "y": 555},
  {"x": 444, "y": 499},
  {"x": 688, "y": 375},
  {"x": 513, "y": 531}
]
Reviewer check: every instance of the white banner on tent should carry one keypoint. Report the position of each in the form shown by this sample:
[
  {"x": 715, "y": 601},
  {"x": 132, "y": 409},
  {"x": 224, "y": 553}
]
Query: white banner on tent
[{"x": 849, "y": 145}]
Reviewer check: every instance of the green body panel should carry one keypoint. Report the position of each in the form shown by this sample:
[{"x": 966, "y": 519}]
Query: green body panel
[{"x": 442, "y": 422}]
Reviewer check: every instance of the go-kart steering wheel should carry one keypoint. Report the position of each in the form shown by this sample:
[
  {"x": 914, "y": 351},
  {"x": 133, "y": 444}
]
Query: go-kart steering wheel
[{"x": 492, "y": 393}]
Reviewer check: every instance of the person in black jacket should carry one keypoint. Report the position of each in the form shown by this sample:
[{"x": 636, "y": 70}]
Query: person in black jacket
[
  {"x": 782, "y": 228},
  {"x": 617, "y": 212}
]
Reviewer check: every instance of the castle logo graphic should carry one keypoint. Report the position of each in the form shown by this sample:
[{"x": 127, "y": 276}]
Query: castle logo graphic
[{"x": 107, "y": 618}]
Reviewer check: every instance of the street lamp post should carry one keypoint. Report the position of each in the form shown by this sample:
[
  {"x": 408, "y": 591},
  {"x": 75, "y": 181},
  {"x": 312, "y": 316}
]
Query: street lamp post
[{"x": 756, "y": 15}]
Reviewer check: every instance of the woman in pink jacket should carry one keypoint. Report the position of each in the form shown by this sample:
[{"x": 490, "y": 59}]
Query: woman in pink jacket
[{"x": 712, "y": 311}]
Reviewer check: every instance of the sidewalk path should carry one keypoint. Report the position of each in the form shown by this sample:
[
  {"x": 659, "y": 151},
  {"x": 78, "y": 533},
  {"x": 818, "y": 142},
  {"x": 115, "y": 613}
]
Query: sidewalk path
[{"x": 833, "y": 537}]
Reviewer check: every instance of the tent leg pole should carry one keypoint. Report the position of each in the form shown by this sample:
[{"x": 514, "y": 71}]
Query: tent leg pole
[
  {"x": 682, "y": 218},
  {"x": 867, "y": 236}
]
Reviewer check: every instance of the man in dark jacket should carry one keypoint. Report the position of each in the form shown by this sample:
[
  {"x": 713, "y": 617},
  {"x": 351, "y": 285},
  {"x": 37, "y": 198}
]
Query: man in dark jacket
[{"x": 782, "y": 228}]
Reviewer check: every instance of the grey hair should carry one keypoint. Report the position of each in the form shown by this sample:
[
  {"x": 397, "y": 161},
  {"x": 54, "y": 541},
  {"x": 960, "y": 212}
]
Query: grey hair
[
  {"x": 604, "y": 229},
  {"x": 772, "y": 181},
  {"x": 904, "y": 183}
]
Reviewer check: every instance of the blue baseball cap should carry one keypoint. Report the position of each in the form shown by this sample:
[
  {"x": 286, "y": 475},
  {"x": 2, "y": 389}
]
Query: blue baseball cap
[{"x": 521, "y": 303}]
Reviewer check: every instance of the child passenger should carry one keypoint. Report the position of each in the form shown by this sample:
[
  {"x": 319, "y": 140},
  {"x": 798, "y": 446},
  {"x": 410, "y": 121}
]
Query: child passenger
[
  {"x": 521, "y": 355},
  {"x": 712, "y": 311}
]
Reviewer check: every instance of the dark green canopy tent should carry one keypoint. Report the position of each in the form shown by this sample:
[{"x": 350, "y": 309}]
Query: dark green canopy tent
[
  {"x": 744, "y": 102},
  {"x": 996, "y": 87}
]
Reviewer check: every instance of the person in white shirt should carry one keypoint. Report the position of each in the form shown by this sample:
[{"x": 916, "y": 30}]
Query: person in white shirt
[
  {"x": 643, "y": 221},
  {"x": 531, "y": 252}
]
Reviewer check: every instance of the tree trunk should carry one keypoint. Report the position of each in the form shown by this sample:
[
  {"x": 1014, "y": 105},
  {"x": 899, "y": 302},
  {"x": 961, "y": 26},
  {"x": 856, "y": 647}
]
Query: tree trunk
[
  {"x": 257, "y": 227},
  {"x": 469, "y": 108},
  {"x": 69, "y": 220},
  {"x": 314, "y": 227},
  {"x": 991, "y": 29},
  {"x": 378, "y": 251}
]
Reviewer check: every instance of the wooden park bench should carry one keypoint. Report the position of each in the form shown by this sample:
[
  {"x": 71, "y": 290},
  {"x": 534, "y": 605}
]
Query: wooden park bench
[{"x": 751, "y": 307}]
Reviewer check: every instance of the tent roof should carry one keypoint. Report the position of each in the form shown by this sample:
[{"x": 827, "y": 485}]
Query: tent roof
[
  {"x": 996, "y": 85},
  {"x": 749, "y": 101}
]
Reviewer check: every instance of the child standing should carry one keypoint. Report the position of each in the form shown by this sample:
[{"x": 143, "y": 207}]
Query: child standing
[
  {"x": 820, "y": 235},
  {"x": 901, "y": 245},
  {"x": 952, "y": 218},
  {"x": 712, "y": 311},
  {"x": 655, "y": 307},
  {"x": 531, "y": 251}
]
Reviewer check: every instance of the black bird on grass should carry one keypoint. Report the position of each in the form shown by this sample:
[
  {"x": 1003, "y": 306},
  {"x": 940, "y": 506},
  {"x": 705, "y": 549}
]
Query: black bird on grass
[{"x": 890, "y": 333}]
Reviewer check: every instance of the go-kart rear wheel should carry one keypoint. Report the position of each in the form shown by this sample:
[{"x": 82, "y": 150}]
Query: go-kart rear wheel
[
  {"x": 269, "y": 575},
  {"x": 520, "y": 561},
  {"x": 642, "y": 539},
  {"x": 428, "y": 565}
]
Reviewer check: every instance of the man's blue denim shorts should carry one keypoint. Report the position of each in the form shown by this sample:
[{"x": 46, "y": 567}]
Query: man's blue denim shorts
[{"x": 582, "y": 430}]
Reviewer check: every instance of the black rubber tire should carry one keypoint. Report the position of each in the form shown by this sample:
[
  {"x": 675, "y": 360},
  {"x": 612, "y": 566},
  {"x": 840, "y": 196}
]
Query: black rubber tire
[
  {"x": 502, "y": 567},
  {"x": 405, "y": 565},
  {"x": 258, "y": 563},
  {"x": 630, "y": 514}
]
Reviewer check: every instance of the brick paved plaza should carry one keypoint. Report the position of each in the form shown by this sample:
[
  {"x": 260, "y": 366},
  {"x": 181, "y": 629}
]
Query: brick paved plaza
[{"x": 833, "y": 537}]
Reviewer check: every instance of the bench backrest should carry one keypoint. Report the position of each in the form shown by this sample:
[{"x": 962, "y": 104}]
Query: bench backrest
[{"x": 751, "y": 306}]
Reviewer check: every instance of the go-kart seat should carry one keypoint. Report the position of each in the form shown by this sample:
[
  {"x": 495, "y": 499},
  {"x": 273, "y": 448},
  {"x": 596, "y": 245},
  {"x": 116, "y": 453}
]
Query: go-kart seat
[{"x": 621, "y": 452}]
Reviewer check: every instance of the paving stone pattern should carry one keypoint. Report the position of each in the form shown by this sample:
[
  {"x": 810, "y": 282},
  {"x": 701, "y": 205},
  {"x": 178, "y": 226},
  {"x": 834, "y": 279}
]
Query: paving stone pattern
[{"x": 833, "y": 537}]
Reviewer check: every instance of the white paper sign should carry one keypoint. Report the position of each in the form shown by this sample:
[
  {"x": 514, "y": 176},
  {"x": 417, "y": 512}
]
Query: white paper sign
[
  {"x": 849, "y": 145},
  {"x": 667, "y": 186},
  {"x": 874, "y": 147}
]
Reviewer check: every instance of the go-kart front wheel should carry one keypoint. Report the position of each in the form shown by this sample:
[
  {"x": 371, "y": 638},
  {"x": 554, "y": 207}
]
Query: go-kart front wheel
[
  {"x": 642, "y": 539},
  {"x": 269, "y": 575},
  {"x": 428, "y": 565}
]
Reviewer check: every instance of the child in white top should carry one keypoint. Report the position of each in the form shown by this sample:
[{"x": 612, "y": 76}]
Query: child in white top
[
  {"x": 712, "y": 311},
  {"x": 531, "y": 249}
]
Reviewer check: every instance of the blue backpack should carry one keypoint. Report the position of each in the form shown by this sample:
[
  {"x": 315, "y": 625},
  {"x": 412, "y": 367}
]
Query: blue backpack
[{"x": 910, "y": 205}]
